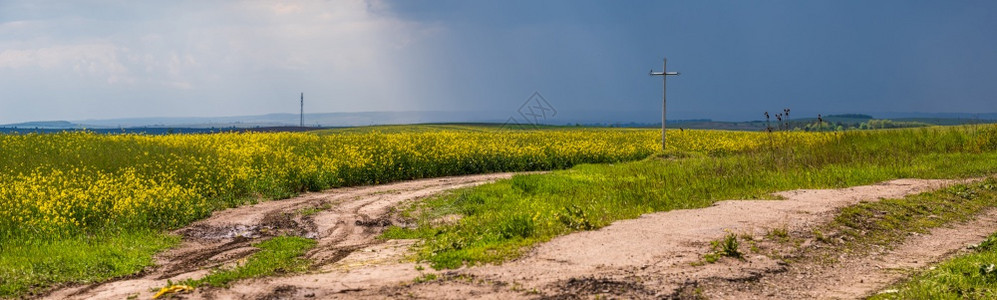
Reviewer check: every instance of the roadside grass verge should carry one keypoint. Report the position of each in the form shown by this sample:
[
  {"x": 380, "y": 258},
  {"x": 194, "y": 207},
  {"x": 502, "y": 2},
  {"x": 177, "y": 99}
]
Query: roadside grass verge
[
  {"x": 500, "y": 219},
  {"x": 868, "y": 226},
  {"x": 278, "y": 255},
  {"x": 890, "y": 221},
  {"x": 32, "y": 268},
  {"x": 969, "y": 276}
]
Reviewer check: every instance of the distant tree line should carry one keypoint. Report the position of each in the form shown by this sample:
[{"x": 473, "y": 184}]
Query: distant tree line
[
  {"x": 871, "y": 124},
  {"x": 883, "y": 124}
]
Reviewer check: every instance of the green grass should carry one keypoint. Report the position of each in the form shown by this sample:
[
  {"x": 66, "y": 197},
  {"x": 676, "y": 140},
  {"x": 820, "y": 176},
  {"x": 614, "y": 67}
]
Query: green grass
[
  {"x": 58, "y": 189},
  {"x": 30, "y": 269},
  {"x": 500, "y": 219},
  {"x": 889, "y": 221},
  {"x": 308, "y": 211},
  {"x": 728, "y": 246},
  {"x": 970, "y": 276},
  {"x": 278, "y": 255},
  {"x": 218, "y": 171}
]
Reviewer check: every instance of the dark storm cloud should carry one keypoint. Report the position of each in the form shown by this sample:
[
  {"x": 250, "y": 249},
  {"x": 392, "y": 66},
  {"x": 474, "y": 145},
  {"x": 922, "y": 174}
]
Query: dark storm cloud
[{"x": 106, "y": 59}]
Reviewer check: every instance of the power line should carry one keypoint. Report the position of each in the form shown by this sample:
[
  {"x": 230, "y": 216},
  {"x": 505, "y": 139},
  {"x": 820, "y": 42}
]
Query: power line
[{"x": 664, "y": 76}]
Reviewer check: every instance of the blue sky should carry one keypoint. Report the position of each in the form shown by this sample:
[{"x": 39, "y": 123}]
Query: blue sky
[{"x": 77, "y": 60}]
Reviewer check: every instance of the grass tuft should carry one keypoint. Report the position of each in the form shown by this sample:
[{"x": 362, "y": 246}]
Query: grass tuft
[
  {"x": 728, "y": 246},
  {"x": 278, "y": 255}
]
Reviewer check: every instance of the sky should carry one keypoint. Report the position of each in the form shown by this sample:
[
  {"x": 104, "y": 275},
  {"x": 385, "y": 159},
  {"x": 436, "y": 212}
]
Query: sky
[{"x": 101, "y": 59}]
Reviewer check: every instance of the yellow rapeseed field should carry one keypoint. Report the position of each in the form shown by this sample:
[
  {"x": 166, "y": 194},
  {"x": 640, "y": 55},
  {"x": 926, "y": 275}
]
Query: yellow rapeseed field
[{"x": 59, "y": 185}]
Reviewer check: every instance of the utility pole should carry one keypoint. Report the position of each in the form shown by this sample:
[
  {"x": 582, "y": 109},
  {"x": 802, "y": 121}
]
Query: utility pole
[
  {"x": 664, "y": 79},
  {"x": 302, "y": 110}
]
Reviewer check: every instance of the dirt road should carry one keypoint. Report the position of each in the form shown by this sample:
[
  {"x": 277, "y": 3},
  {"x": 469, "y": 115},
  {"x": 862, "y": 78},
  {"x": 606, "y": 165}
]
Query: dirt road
[
  {"x": 857, "y": 276},
  {"x": 343, "y": 221},
  {"x": 658, "y": 255},
  {"x": 654, "y": 256}
]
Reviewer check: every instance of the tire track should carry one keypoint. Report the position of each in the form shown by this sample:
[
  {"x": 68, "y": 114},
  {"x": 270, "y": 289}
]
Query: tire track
[
  {"x": 340, "y": 220},
  {"x": 657, "y": 255}
]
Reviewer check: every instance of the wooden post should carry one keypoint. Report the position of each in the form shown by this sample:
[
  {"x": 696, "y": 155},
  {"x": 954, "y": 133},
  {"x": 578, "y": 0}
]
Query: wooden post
[{"x": 664, "y": 96}]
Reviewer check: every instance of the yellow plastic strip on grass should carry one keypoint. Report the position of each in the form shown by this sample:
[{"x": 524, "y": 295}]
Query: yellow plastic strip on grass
[{"x": 173, "y": 289}]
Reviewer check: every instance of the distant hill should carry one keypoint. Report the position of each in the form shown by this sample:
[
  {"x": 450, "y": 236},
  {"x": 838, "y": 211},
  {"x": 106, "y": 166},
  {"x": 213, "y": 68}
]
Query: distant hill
[
  {"x": 380, "y": 118},
  {"x": 851, "y": 116},
  {"x": 285, "y": 119},
  {"x": 920, "y": 115},
  {"x": 623, "y": 118},
  {"x": 44, "y": 125}
]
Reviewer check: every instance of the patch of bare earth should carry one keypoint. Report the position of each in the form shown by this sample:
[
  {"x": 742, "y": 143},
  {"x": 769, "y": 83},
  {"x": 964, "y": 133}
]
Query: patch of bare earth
[
  {"x": 345, "y": 222},
  {"x": 659, "y": 255},
  {"x": 859, "y": 275}
]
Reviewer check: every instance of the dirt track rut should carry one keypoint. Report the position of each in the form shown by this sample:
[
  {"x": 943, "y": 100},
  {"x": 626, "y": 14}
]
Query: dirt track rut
[
  {"x": 858, "y": 276},
  {"x": 340, "y": 220},
  {"x": 653, "y": 256},
  {"x": 657, "y": 255}
]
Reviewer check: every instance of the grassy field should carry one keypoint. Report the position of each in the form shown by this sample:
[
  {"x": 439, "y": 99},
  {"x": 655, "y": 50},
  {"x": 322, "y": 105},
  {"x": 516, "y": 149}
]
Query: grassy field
[
  {"x": 499, "y": 219},
  {"x": 64, "y": 185},
  {"x": 72, "y": 200}
]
